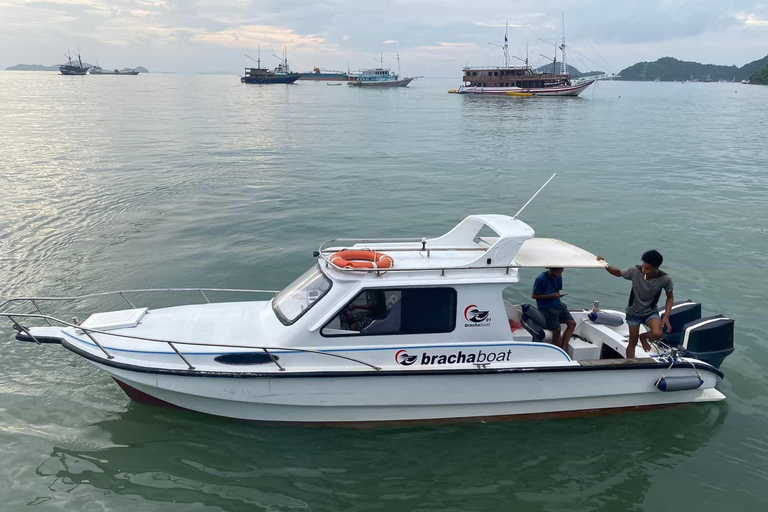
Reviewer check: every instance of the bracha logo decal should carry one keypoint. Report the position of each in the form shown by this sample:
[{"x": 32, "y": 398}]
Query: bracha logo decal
[
  {"x": 402, "y": 358},
  {"x": 472, "y": 314}
]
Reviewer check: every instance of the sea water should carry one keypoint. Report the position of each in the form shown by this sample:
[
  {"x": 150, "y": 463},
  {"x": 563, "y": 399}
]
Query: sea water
[{"x": 110, "y": 183}]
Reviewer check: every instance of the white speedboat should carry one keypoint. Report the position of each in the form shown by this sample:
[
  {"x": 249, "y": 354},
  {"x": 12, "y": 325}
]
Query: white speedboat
[{"x": 393, "y": 331}]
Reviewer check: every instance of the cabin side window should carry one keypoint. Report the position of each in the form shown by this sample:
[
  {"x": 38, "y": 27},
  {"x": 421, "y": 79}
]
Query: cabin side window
[{"x": 378, "y": 312}]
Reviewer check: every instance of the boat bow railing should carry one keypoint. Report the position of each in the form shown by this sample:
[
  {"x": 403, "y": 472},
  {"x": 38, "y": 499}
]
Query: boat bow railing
[
  {"x": 51, "y": 320},
  {"x": 35, "y": 301}
]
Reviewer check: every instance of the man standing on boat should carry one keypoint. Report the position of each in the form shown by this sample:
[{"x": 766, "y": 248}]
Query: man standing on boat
[
  {"x": 647, "y": 283},
  {"x": 546, "y": 291}
]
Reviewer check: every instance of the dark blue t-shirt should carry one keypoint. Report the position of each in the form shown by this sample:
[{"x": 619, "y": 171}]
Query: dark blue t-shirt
[{"x": 547, "y": 285}]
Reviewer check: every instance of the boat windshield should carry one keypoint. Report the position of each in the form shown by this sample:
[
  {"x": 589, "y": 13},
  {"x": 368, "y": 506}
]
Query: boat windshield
[{"x": 300, "y": 295}]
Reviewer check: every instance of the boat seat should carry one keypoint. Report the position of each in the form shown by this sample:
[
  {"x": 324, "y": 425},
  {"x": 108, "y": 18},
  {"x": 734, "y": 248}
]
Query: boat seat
[{"x": 388, "y": 324}]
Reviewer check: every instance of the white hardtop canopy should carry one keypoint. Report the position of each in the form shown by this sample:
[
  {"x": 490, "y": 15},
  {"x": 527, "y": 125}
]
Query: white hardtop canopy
[
  {"x": 463, "y": 248},
  {"x": 553, "y": 253}
]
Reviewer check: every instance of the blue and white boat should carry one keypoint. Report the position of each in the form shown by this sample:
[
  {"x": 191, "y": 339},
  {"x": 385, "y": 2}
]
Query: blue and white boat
[{"x": 380, "y": 77}]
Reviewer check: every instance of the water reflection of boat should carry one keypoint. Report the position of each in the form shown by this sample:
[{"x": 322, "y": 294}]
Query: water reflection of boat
[{"x": 158, "y": 458}]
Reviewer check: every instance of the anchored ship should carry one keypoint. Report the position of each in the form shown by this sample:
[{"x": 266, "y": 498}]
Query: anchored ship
[
  {"x": 74, "y": 68},
  {"x": 281, "y": 75},
  {"x": 97, "y": 70},
  {"x": 523, "y": 80},
  {"x": 324, "y": 74},
  {"x": 381, "y": 77}
]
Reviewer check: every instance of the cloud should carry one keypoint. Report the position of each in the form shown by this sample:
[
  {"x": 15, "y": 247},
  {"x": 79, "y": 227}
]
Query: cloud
[
  {"x": 251, "y": 36},
  {"x": 750, "y": 20},
  {"x": 331, "y": 32}
]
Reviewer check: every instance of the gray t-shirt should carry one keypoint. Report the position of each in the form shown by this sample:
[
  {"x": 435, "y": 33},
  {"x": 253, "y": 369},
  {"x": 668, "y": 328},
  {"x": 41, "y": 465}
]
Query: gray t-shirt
[{"x": 644, "y": 298}]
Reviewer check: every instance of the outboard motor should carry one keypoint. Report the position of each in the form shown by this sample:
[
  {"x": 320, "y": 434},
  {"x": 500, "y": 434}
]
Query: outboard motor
[
  {"x": 708, "y": 339},
  {"x": 680, "y": 315}
]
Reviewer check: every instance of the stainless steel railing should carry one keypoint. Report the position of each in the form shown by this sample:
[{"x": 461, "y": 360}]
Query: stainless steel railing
[
  {"x": 327, "y": 249},
  {"x": 121, "y": 293},
  {"x": 172, "y": 343}
]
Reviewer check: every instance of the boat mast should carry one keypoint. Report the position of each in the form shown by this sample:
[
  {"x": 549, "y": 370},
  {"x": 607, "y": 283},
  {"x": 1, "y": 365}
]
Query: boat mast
[
  {"x": 554, "y": 61},
  {"x": 398, "y": 63},
  {"x": 506, "y": 44},
  {"x": 563, "y": 63},
  {"x": 78, "y": 57}
]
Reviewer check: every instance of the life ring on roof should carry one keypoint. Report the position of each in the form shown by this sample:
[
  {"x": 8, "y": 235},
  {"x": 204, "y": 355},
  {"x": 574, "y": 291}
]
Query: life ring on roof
[{"x": 362, "y": 259}]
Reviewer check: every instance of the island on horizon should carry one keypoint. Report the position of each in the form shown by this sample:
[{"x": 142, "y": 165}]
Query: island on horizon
[
  {"x": 55, "y": 67},
  {"x": 669, "y": 69}
]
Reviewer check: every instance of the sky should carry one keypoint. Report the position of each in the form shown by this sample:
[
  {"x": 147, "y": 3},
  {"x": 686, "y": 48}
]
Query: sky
[{"x": 433, "y": 37}]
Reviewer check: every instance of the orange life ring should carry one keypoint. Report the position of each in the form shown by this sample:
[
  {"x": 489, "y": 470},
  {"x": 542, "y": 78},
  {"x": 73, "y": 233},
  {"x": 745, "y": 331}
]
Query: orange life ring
[{"x": 362, "y": 259}]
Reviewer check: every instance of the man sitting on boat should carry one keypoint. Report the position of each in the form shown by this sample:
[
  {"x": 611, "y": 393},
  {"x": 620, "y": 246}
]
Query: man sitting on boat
[
  {"x": 356, "y": 317},
  {"x": 647, "y": 283},
  {"x": 546, "y": 291}
]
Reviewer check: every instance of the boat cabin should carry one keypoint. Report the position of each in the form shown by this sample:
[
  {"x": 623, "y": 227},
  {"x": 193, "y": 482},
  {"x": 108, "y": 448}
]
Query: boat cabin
[
  {"x": 376, "y": 75},
  {"x": 517, "y": 76},
  {"x": 444, "y": 289}
]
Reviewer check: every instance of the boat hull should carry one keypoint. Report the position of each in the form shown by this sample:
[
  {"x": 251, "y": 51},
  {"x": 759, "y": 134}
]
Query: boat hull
[
  {"x": 360, "y": 397},
  {"x": 388, "y": 83},
  {"x": 571, "y": 90},
  {"x": 287, "y": 79}
]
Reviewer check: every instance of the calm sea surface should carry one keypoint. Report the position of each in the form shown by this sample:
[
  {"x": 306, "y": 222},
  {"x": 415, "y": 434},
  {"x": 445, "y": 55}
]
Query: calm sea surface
[{"x": 111, "y": 183}]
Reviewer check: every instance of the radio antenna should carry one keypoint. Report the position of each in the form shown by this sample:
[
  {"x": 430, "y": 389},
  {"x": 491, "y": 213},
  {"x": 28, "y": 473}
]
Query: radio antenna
[{"x": 534, "y": 196}]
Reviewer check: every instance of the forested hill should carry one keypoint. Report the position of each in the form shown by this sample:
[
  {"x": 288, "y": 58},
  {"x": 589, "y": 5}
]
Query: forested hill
[
  {"x": 760, "y": 77},
  {"x": 669, "y": 69}
]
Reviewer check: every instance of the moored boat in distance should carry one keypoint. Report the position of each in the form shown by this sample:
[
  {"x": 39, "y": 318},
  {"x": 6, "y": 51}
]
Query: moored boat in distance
[
  {"x": 523, "y": 79},
  {"x": 380, "y": 77},
  {"x": 322, "y": 74},
  {"x": 97, "y": 70},
  {"x": 393, "y": 330},
  {"x": 74, "y": 69},
  {"x": 281, "y": 75}
]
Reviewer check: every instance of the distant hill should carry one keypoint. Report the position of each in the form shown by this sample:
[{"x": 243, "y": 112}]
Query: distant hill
[
  {"x": 32, "y": 67},
  {"x": 55, "y": 67},
  {"x": 669, "y": 69},
  {"x": 760, "y": 77},
  {"x": 575, "y": 73}
]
